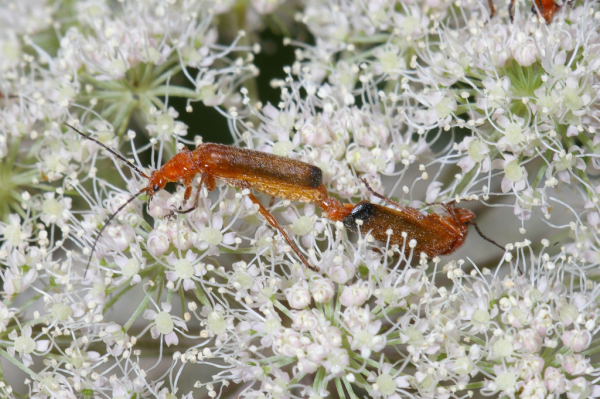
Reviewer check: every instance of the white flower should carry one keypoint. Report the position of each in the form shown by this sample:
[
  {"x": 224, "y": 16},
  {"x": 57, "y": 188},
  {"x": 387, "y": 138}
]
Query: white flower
[
  {"x": 514, "y": 174},
  {"x": 341, "y": 270},
  {"x": 390, "y": 62},
  {"x": 554, "y": 380},
  {"x": 356, "y": 294},
  {"x": 24, "y": 345},
  {"x": 55, "y": 211},
  {"x": 322, "y": 289},
  {"x": 53, "y": 385},
  {"x": 337, "y": 361},
  {"x": 575, "y": 364},
  {"x": 130, "y": 266},
  {"x": 17, "y": 279},
  {"x": 565, "y": 162},
  {"x": 477, "y": 152},
  {"x": 576, "y": 340},
  {"x": 158, "y": 242},
  {"x": 304, "y": 320},
  {"x": 298, "y": 295},
  {"x": 6, "y": 314},
  {"x": 287, "y": 342},
  {"x": 524, "y": 49},
  {"x": 15, "y": 231},
  {"x": 165, "y": 324},
  {"x": 184, "y": 269}
]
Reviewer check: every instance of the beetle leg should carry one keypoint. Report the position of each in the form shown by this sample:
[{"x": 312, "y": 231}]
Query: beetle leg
[
  {"x": 209, "y": 181},
  {"x": 265, "y": 213},
  {"x": 492, "y": 9},
  {"x": 188, "y": 193},
  {"x": 195, "y": 203},
  {"x": 449, "y": 207}
]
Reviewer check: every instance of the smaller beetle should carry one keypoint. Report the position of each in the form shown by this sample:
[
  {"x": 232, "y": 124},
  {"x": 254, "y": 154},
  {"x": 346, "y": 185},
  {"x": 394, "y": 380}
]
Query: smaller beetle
[{"x": 435, "y": 234}]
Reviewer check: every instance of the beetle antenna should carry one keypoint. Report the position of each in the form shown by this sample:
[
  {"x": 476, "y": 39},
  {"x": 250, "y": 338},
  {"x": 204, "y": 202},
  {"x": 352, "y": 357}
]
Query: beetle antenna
[
  {"x": 490, "y": 240},
  {"x": 485, "y": 237},
  {"x": 132, "y": 166},
  {"x": 107, "y": 223},
  {"x": 381, "y": 196}
]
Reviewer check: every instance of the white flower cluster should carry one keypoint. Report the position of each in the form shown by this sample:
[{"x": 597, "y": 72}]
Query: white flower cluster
[{"x": 431, "y": 99}]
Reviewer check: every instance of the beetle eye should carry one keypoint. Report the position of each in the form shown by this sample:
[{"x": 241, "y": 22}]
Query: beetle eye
[{"x": 156, "y": 188}]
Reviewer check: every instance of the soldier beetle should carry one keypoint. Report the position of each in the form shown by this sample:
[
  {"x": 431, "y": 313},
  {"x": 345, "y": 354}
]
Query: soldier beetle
[
  {"x": 274, "y": 175},
  {"x": 434, "y": 234},
  {"x": 545, "y": 8}
]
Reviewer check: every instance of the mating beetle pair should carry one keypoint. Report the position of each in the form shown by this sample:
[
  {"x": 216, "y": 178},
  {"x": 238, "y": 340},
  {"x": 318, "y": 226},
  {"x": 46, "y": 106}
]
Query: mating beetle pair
[{"x": 294, "y": 180}]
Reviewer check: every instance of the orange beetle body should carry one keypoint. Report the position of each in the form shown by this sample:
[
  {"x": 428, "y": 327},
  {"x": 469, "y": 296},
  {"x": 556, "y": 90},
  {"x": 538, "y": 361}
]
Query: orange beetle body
[{"x": 434, "y": 234}]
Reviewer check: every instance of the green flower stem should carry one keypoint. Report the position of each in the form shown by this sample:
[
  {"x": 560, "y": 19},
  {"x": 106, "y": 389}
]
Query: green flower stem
[
  {"x": 388, "y": 311},
  {"x": 2, "y": 378},
  {"x": 20, "y": 365},
  {"x": 277, "y": 25},
  {"x": 592, "y": 351},
  {"x": 359, "y": 378},
  {"x": 282, "y": 308},
  {"x": 297, "y": 378},
  {"x": 349, "y": 387},
  {"x": 182, "y": 298},
  {"x": 372, "y": 39},
  {"x": 394, "y": 342},
  {"x": 580, "y": 173},
  {"x": 340, "y": 389},
  {"x": 338, "y": 304},
  {"x": 122, "y": 117},
  {"x": 174, "y": 91},
  {"x": 474, "y": 385},
  {"x": 202, "y": 297},
  {"x": 102, "y": 84},
  {"x": 30, "y": 302},
  {"x": 280, "y": 361},
  {"x": 126, "y": 288},
  {"x": 488, "y": 365},
  {"x": 319, "y": 381},
  {"x": 562, "y": 351},
  {"x": 338, "y": 386},
  {"x": 478, "y": 341},
  {"x": 143, "y": 304},
  {"x": 160, "y": 73},
  {"x": 542, "y": 170},
  {"x": 157, "y": 79},
  {"x": 224, "y": 250},
  {"x": 361, "y": 360}
]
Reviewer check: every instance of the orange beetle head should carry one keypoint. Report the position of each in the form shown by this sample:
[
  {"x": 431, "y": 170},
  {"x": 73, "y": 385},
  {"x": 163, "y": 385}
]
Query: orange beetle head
[
  {"x": 463, "y": 215},
  {"x": 157, "y": 183}
]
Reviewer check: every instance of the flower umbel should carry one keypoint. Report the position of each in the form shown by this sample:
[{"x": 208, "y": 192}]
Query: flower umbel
[{"x": 428, "y": 102}]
